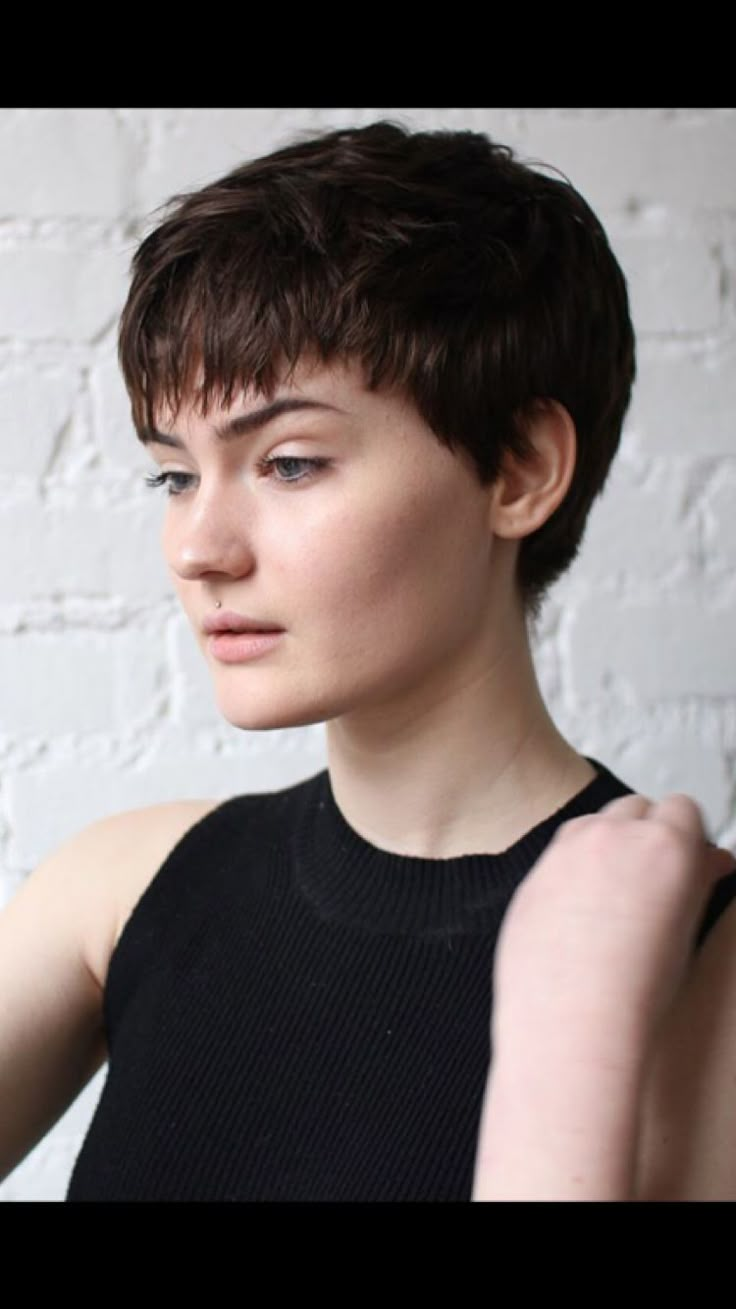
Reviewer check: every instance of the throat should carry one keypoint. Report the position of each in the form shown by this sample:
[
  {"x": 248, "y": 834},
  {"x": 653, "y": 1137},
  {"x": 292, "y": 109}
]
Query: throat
[{"x": 443, "y": 812}]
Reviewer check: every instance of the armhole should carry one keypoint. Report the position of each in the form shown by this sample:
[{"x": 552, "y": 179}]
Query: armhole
[{"x": 184, "y": 850}]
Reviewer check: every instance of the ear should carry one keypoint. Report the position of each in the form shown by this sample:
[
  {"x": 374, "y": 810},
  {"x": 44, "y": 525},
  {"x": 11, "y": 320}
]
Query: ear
[{"x": 528, "y": 490}]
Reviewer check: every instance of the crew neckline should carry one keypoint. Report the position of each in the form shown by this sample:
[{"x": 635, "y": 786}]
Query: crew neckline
[{"x": 346, "y": 878}]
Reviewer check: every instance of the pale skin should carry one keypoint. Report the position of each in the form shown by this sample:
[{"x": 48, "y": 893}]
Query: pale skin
[
  {"x": 596, "y": 1016},
  {"x": 345, "y": 523}
]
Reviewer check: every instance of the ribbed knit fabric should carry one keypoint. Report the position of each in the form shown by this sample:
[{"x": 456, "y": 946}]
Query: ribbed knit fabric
[{"x": 293, "y": 1014}]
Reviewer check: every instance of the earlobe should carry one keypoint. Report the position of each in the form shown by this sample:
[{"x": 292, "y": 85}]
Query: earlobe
[{"x": 529, "y": 489}]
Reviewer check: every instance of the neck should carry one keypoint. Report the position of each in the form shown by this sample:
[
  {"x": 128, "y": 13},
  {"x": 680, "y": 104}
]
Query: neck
[{"x": 467, "y": 765}]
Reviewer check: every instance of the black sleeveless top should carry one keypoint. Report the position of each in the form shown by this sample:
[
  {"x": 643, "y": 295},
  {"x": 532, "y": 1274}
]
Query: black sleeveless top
[{"x": 293, "y": 1014}]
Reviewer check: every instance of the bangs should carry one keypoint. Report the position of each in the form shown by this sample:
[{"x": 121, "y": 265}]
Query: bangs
[{"x": 206, "y": 329}]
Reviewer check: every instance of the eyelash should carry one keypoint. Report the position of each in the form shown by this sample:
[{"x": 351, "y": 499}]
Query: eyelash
[
  {"x": 173, "y": 481},
  {"x": 167, "y": 480}
]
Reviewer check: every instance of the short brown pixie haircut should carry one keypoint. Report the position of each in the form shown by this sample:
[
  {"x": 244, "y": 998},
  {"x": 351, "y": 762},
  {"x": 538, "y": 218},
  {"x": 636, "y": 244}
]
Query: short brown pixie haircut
[{"x": 476, "y": 284}]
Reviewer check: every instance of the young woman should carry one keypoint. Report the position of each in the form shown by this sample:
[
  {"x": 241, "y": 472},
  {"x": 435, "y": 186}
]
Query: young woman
[{"x": 382, "y": 376}]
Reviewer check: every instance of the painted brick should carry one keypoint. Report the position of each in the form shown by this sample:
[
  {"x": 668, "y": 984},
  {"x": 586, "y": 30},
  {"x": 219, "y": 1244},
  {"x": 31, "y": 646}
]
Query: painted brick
[
  {"x": 76, "y": 682},
  {"x": 686, "y": 403},
  {"x": 63, "y": 162},
  {"x": 112, "y": 423},
  {"x": 640, "y": 155},
  {"x": 659, "y": 650},
  {"x": 674, "y": 283},
  {"x": 66, "y": 295},
  {"x": 635, "y": 528},
  {"x": 82, "y": 550},
  {"x": 35, "y": 404},
  {"x": 720, "y": 534}
]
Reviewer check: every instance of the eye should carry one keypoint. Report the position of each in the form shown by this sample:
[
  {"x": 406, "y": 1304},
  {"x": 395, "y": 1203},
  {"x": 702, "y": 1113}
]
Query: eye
[
  {"x": 290, "y": 468},
  {"x": 175, "y": 483}
]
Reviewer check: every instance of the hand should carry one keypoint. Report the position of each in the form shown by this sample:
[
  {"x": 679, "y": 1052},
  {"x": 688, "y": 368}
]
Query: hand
[
  {"x": 594, "y": 948},
  {"x": 602, "y": 927}
]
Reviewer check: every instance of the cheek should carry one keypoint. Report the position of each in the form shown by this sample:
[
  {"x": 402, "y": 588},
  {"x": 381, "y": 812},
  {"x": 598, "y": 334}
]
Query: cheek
[
  {"x": 396, "y": 558},
  {"x": 433, "y": 540}
]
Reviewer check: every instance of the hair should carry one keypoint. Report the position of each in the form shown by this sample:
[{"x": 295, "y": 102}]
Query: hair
[{"x": 478, "y": 285}]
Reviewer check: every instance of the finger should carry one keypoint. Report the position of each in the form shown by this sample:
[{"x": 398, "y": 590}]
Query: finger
[{"x": 682, "y": 812}]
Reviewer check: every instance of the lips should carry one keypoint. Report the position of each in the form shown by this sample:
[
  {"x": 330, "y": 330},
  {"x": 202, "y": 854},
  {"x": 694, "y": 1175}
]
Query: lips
[{"x": 228, "y": 621}]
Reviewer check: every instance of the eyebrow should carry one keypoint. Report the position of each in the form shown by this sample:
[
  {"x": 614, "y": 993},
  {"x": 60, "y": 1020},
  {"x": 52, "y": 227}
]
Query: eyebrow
[{"x": 242, "y": 424}]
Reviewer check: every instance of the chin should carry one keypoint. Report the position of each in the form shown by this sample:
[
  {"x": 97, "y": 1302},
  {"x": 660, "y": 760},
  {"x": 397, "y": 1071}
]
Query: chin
[
  {"x": 265, "y": 704},
  {"x": 250, "y": 716},
  {"x": 272, "y": 722}
]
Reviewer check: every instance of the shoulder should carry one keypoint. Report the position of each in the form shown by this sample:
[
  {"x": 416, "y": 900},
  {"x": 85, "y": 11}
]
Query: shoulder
[
  {"x": 112, "y": 862},
  {"x": 688, "y": 1142},
  {"x": 103, "y": 870}
]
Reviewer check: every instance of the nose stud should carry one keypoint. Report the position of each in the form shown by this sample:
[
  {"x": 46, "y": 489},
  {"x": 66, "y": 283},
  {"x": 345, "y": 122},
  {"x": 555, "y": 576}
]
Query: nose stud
[{"x": 218, "y": 604}]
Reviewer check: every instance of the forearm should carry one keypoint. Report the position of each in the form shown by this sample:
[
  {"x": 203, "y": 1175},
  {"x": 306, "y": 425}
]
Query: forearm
[
  {"x": 559, "y": 1123},
  {"x": 592, "y": 954}
]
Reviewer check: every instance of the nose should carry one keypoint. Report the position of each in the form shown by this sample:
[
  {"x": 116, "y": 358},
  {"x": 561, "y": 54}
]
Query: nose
[{"x": 207, "y": 539}]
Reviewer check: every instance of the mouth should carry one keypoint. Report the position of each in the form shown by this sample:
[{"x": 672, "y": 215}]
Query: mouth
[
  {"x": 237, "y": 638},
  {"x": 227, "y": 621},
  {"x": 240, "y": 647}
]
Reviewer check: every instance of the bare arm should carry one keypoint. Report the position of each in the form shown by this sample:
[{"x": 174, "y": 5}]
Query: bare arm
[
  {"x": 51, "y": 1034},
  {"x": 593, "y": 959},
  {"x": 56, "y": 937}
]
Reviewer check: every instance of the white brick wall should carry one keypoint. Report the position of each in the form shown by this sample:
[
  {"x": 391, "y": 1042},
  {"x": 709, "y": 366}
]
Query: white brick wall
[
  {"x": 71, "y": 163},
  {"x": 674, "y": 282},
  {"x": 104, "y": 703},
  {"x": 58, "y": 294}
]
